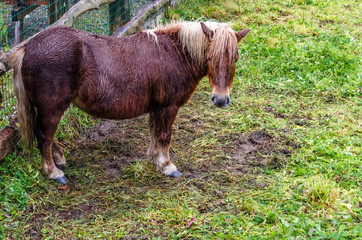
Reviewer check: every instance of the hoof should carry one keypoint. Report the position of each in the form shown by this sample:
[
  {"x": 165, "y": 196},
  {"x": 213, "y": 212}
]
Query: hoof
[
  {"x": 176, "y": 174},
  {"x": 62, "y": 180},
  {"x": 60, "y": 167}
]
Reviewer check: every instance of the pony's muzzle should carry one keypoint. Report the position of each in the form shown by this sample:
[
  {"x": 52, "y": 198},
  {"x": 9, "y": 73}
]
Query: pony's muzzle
[{"x": 220, "y": 101}]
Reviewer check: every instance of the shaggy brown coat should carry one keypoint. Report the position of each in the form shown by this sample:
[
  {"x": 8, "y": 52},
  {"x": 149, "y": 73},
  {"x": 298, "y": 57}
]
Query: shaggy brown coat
[{"x": 152, "y": 72}]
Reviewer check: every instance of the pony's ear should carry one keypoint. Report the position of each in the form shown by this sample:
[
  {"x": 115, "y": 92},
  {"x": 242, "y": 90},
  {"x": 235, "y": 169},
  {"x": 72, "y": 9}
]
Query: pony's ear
[
  {"x": 241, "y": 34},
  {"x": 209, "y": 33}
]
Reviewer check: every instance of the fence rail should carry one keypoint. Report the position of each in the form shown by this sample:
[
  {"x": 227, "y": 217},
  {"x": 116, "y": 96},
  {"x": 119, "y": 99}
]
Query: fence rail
[{"x": 24, "y": 18}]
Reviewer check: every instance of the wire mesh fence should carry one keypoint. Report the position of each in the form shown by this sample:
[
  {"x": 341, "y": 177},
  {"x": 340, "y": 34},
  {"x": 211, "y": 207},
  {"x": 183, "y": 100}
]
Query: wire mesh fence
[
  {"x": 24, "y": 18},
  {"x": 109, "y": 17},
  {"x": 20, "y": 19}
]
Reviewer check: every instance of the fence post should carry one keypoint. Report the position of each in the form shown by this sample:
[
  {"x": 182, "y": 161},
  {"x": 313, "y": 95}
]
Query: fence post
[
  {"x": 118, "y": 14},
  {"x": 18, "y": 14},
  {"x": 19, "y": 26},
  {"x": 17, "y": 32},
  {"x": 62, "y": 7},
  {"x": 52, "y": 11}
]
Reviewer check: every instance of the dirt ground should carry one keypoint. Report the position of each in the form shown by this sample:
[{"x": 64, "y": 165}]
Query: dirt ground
[
  {"x": 111, "y": 152},
  {"x": 120, "y": 143}
]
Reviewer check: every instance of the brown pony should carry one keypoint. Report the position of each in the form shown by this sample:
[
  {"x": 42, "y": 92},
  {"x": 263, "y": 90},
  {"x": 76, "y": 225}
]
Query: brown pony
[{"x": 154, "y": 71}]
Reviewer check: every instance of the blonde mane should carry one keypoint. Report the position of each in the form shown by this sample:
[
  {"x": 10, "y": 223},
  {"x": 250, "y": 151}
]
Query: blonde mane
[{"x": 195, "y": 41}]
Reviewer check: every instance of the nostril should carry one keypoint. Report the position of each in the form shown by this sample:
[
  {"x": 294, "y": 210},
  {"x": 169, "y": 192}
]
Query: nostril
[
  {"x": 213, "y": 98},
  {"x": 218, "y": 104},
  {"x": 227, "y": 100}
]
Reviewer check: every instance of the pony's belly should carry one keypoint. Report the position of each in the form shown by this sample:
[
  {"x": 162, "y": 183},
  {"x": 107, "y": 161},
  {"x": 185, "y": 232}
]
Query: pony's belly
[{"x": 114, "y": 109}]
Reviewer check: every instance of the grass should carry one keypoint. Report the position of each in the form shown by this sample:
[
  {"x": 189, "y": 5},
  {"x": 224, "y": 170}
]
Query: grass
[
  {"x": 283, "y": 161},
  {"x": 8, "y": 101}
]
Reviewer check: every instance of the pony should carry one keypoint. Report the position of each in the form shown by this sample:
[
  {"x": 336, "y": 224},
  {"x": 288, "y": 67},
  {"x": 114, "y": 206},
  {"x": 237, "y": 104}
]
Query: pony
[{"x": 154, "y": 71}]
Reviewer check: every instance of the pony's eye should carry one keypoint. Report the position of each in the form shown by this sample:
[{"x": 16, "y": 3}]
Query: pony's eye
[
  {"x": 209, "y": 59},
  {"x": 236, "y": 60}
]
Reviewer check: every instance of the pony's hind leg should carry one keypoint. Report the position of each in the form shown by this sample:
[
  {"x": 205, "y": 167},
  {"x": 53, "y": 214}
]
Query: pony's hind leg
[
  {"x": 45, "y": 130},
  {"x": 161, "y": 127},
  {"x": 58, "y": 156}
]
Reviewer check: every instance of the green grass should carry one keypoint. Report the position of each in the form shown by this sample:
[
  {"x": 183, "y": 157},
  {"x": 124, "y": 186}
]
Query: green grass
[
  {"x": 8, "y": 101},
  {"x": 282, "y": 162}
]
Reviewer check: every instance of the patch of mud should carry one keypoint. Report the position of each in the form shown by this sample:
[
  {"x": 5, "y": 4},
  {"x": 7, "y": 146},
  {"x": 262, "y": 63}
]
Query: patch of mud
[
  {"x": 110, "y": 129},
  {"x": 113, "y": 166},
  {"x": 80, "y": 211},
  {"x": 214, "y": 206},
  {"x": 250, "y": 147},
  {"x": 50, "y": 214},
  {"x": 37, "y": 224},
  {"x": 260, "y": 149},
  {"x": 245, "y": 155},
  {"x": 102, "y": 130},
  {"x": 112, "y": 145}
]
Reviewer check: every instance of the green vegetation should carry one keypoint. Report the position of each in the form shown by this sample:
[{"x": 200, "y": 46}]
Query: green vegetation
[
  {"x": 3, "y": 27},
  {"x": 283, "y": 161}
]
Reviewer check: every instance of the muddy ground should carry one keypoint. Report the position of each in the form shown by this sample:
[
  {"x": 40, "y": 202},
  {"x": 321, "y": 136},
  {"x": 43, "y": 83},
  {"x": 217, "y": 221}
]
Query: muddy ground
[
  {"x": 121, "y": 143},
  {"x": 109, "y": 161}
]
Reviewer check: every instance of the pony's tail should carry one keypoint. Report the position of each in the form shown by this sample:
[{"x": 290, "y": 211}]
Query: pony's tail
[{"x": 26, "y": 112}]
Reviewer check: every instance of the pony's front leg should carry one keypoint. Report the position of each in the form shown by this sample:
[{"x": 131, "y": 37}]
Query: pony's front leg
[{"x": 161, "y": 128}]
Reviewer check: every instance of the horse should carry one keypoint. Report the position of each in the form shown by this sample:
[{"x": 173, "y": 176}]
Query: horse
[{"x": 154, "y": 71}]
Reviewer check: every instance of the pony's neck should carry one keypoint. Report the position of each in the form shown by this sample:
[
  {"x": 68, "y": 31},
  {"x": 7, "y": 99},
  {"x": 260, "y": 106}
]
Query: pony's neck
[
  {"x": 197, "y": 66},
  {"x": 191, "y": 42}
]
